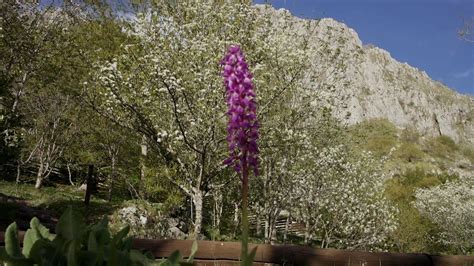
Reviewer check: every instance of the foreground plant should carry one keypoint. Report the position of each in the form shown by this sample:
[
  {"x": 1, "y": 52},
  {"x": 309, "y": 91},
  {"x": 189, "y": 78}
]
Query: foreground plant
[
  {"x": 77, "y": 244},
  {"x": 242, "y": 130}
]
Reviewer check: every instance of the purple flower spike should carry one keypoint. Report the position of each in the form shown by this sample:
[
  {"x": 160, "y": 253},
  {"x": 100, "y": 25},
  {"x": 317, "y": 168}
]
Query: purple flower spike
[{"x": 242, "y": 127}]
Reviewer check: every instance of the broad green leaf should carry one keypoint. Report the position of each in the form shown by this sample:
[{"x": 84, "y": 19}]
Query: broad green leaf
[
  {"x": 126, "y": 244},
  {"x": 92, "y": 242},
  {"x": 31, "y": 236},
  {"x": 72, "y": 254},
  {"x": 12, "y": 245},
  {"x": 250, "y": 257},
  {"x": 194, "y": 249},
  {"x": 149, "y": 255},
  {"x": 138, "y": 258},
  {"x": 3, "y": 255},
  {"x": 70, "y": 226},
  {"x": 43, "y": 250},
  {"x": 120, "y": 235},
  {"x": 88, "y": 258},
  {"x": 175, "y": 258},
  {"x": 41, "y": 229},
  {"x": 103, "y": 224}
]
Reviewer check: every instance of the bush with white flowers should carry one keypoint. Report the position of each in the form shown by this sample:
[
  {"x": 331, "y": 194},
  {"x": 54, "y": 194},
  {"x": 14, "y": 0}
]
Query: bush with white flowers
[
  {"x": 451, "y": 207},
  {"x": 341, "y": 200}
]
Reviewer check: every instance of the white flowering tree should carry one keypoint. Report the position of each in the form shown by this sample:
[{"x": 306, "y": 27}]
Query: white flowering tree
[
  {"x": 451, "y": 207},
  {"x": 167, "y": 85},
  {"x": 340, "y": 200}
]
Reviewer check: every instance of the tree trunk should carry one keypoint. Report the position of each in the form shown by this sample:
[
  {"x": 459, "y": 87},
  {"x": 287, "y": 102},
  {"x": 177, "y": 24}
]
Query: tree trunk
[
  {"x": 273, "y": 235},
  {"x": 258, "y": 226},
  {"x": 111, "y": 178},
  {"x": 236, "y": 217},
  {"x": 19, "y": 93},
  {"x": 69, "y": 174},
  {"x": 217, "y": 211},
  {"x": 144, "y": 152},
  {"x": 306, "y": 233},
  {"x": 267, "y": 228},
  {"x": 39, "y": 176},
  {"x": 287, "y": 227},
  {"x": 89, "y": 185},
  {"x": 197, "y": 201},
  {"x": 18, "y": 171}
]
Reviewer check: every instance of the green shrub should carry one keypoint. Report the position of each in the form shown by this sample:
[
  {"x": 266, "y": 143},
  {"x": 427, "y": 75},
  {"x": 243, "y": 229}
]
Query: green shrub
[
  {"x": 410, "y": 135},
  {"x": 376, "y": 135},
  {"x": 77, "y": 244},
  {"x": 414, "y": 231},
  {"x": 401, "y": 188},
  {"x": 468, "y": 152},
  {"x": 409, "y": 152},
  {"x": 442, "y": 147}
]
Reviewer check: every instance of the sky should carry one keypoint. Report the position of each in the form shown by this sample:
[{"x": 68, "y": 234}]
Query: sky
[{"x": 422, "y": 33}]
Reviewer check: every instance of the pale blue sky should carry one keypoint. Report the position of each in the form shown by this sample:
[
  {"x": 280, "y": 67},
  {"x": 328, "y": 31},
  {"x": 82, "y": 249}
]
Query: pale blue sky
[{"x": 422, "y": 33}]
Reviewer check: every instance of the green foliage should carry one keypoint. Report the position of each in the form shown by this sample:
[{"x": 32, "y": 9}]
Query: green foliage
[
  {"x": 415, "y": 232},
  {"x": 176, "y": 259},
  {"x": 442, "y": 147},
  {"x": 410, "y": 135},
  {"x": 468, "y": 152},
  {"x": 376, "y": 135},
  {"x": 77, "y": 244},
  {"x": 401, "y": 188},
  {"x": 73, "y": 244},
  {"x": 409, "y": 152}
]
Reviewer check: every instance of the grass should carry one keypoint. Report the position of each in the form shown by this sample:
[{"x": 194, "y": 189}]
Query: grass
[{"x": 53, "y": 199}]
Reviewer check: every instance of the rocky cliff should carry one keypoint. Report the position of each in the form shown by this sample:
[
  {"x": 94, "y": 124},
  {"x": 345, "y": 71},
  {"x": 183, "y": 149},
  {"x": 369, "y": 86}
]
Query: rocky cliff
[{"x": 361, "y": 82}]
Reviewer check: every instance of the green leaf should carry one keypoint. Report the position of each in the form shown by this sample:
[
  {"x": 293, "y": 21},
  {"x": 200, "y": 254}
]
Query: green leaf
[
  {"x": 41, "y": 229},
  {"x": 19, "y": 262},
  {"x": 88, "y": 258},
  {"x": 250, "y": 257},
  {"x": 12, "y": 245},
  {"x": 29, "y": 240},
  {"x": 43, "y": 250},
  {"x": 92, "y": 244},
  {"x": 120, "y": 235},
  {"x": 103, "y": 224},
  {"x": 72, "y": 254},
  {"x": 101, "y": 233},
  {"x": 149, "y": 255},
  {"x": 138, "y": 258},
  {"x": 70, "y": 226},
  {"x": 175, "y": 258},
  {"x": 126, "y": 244},
  {"x": 194, "y": 249},
  {"x": 3, "y": 255}
]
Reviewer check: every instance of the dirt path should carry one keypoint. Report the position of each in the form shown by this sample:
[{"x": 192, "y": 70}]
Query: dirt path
[{"x": 17, "y": 210}]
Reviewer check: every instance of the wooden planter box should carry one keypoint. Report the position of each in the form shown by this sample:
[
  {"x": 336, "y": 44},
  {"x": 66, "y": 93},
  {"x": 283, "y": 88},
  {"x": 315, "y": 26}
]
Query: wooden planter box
[{"x": 228, "y": 253}]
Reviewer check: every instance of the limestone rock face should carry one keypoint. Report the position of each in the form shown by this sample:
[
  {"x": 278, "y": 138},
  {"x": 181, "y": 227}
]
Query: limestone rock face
[{"x": 361, "y": 82}]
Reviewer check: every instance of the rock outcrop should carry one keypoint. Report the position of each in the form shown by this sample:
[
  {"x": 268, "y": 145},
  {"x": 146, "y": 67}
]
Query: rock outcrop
[{"x": 361, "y": 82}]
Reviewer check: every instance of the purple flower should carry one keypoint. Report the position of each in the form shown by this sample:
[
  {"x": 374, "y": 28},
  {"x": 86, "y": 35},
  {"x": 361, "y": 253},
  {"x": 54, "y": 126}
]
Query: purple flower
[{"x": 242, "y": 127}]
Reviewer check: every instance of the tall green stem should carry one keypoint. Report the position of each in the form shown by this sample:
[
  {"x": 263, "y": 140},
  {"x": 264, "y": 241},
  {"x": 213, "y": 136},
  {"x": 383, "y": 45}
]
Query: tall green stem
[{"x": 245, "y": 216}]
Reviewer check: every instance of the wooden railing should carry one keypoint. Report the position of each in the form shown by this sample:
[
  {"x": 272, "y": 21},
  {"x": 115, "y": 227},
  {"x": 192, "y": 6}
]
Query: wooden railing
[{"x": 228, "y": 253}]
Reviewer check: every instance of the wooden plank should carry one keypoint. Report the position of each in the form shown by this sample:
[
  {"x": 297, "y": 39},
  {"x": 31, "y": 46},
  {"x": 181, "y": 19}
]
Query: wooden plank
[
  {"x": 227, "y": 253},
  {"x": 296, "y": 255}
]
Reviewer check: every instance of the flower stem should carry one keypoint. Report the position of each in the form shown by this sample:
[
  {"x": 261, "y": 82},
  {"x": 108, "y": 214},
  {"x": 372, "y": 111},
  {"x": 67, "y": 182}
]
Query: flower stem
[{"x": 245, "y": 216}]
